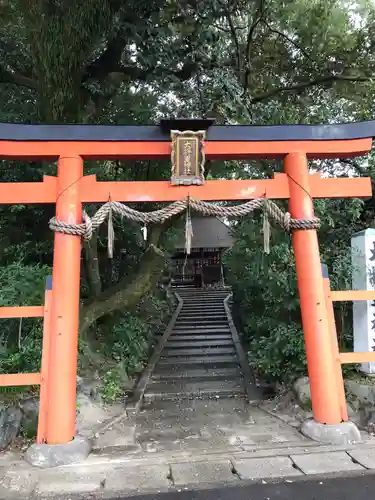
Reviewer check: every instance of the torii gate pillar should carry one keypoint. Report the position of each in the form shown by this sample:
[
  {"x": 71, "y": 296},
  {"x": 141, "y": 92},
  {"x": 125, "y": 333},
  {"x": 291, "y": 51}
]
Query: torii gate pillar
[
  {"x": 321, "y": 369},
  {"x": 61, "y": 415}
]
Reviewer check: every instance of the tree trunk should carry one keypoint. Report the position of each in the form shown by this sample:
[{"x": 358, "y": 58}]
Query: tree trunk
[
  {"x": 91, "y": 265},
  {"x": 125, "y": 296}
]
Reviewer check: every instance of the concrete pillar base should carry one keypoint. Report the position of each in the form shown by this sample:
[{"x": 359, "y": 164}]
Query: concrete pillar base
[
  {"x": 340, "y": 434},
  {"x": 46, "y": 456}
]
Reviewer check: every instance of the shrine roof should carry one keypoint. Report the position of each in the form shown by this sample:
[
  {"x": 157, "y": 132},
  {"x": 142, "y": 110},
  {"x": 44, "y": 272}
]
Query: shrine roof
[{"x": 208, "y": 232}]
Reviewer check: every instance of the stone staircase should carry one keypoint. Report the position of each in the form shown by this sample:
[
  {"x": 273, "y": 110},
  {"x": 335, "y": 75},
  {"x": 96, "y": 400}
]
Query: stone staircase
[{"x": 199, "y": 359}]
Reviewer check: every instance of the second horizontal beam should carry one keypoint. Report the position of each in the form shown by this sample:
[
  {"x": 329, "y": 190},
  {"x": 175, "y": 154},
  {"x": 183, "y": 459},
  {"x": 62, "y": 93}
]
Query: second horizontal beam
[{"x": 163, "y": 191}]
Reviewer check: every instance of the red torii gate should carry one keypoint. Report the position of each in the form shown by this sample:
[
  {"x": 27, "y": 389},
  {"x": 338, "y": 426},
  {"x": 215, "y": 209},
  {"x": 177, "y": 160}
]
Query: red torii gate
[{"x": 70, "y": 145}]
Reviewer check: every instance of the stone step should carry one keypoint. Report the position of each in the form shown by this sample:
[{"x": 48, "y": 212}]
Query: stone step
[
  {"x": 201, "y": 333},
  {"x": 226, "y": 373},
  {"x": 187, "y": 408},
  {"x": 180, "y": 325},
  {"x": 176, "y": 344},
  {"x": 199, "y": 351},
  {"x": 211, "y": 361},
  {"x": 214, "y": 338},
  {"x": 209, "y": 314},
  {"x": 199, "y": 329},
  {"x": 198, "y": 301},
  {"x": 192, "y": 327},
  {"x": 201, "y": 320},
  {"x": 198, "y": 293},
  {"x": 202, "y": 306},
  {"x": 212, "y": 388},
  {"x": 210, "y": 311},
  {"x": 202, "y": 312},
  {"x": 203, "y": 301}
]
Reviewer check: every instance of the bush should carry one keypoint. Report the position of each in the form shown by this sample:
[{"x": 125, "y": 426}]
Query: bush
[
  {"x": 266, "y": 302},
  {"x": 130, "y": 343},
  {"x": 23, "y": 358},
  {"x": 21, "y": 340},
  {"x": 279, "y": 355}
]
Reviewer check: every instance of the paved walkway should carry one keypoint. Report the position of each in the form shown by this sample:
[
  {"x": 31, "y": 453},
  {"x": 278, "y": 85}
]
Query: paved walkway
[
  {"x": 249, "y": 451},
  {"x": 196, "y": 425},
  {"x": 360, "y": 487}
]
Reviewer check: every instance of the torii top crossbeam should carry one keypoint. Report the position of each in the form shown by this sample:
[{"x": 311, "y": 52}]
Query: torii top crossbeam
[
  {"x": 50, "y": 142},
  {"x": 152, "y": 141}
]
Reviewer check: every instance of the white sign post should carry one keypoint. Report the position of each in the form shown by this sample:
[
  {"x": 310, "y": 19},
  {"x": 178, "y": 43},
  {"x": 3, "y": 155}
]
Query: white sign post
[{"x": 363, "y": 278}]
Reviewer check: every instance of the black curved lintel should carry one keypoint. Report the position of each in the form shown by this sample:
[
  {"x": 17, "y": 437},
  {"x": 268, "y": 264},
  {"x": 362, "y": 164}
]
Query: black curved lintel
[{"x": 145, "y": 133}]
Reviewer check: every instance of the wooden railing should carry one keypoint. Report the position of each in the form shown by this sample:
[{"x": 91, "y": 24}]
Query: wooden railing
[
  {"x": 346, "y": 296},
  {"x": 40, "y": 378}
]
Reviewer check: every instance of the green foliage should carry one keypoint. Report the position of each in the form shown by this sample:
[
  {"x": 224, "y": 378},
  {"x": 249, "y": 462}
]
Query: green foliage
[
  {"x": 22, "y": 284},
  {"x": 21, "y": 340},
  {"x": 129, "y": 344},
  {"x": 130, "y": 341},
  {"x": 23, "y": 358},
  {"x": 265, "y": 287},
  {"x": 112, "y": 386},
  {"x": 280, "y": 354}
]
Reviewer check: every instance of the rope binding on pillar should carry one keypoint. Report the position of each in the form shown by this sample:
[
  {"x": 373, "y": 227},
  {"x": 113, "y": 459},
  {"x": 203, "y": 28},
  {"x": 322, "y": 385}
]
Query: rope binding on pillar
[{"x": 106, "y": 211}]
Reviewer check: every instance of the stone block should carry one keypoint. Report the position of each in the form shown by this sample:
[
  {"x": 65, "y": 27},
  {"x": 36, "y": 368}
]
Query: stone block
[
  {"x": 69, "y": 481},
  {"x": 17, "y": 483},
  {"x": 10, "y": 423},
  {"x": 138, "y": 478},
  {"x": 325, "y": 463},
  {"x": 339, "y": 434},
  {"x": 46, "y": 456},
  {"x": 30, "y": 414},
  {"x": 121, "y": 434},
  {"x": 365, "y": 457},
  {"x": 301, "y": 388},
  {"x": 271, "y": 467},
  {"x": 202, "y": 472},
  {"x": 363, "y": 391}
]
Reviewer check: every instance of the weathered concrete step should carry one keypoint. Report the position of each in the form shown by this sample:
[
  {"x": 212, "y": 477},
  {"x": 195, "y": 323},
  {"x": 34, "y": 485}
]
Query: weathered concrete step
[
  {"x": 226, "y": 373},
  {"x": 176, "y": 344},
  {"x": 199, "y": 291},
  {"x": 193, "y": 328},
  {"x": 209, "y": 361},
  {"x": 188, "y": 408},
  {"x": 181, "y": 337},
  {"x": 199, "y": 351},
  {"x": 202, "y": 321},
  {"x": 199, "y": 301},
  {"x": 200, "y": 298},
  {"x": 203, "y": 300},
  {"x": 199, "y": 329},
  {"x": 203, "y": 291},
  {"x": 197, "y": 294},
  {"x": 196, "y": 297},
  {"x": 203, "y": 305},
  {"x": 165, "y": 390},
  {"x": 206, "y": 316},
  {"x": 203, "y": 310},
  {"x": 201, "y": 324}
]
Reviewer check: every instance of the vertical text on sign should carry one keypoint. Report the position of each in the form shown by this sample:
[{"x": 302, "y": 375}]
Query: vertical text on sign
[{"x": 187, "y": 157}]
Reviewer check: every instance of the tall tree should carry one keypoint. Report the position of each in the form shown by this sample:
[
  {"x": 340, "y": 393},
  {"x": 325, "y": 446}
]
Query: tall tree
[{"x": 110, "y": 61}]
